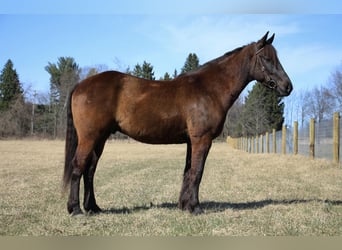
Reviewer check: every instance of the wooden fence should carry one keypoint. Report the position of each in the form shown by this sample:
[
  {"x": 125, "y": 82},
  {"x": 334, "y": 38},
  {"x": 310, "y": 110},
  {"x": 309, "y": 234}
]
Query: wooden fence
[{"x": 289, "y": 140}]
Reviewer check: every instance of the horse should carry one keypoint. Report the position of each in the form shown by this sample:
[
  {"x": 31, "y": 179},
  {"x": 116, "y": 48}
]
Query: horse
[{"x": 189, "y": 109}]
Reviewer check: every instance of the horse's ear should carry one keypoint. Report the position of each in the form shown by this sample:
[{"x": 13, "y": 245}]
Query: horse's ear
[
  {"x": 270, "y": 40},
  {"x": 262, "y": 42}
]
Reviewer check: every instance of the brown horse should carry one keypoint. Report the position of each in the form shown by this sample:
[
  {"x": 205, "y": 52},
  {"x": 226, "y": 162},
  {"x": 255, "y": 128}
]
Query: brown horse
[{"x": 188, "y": 109}]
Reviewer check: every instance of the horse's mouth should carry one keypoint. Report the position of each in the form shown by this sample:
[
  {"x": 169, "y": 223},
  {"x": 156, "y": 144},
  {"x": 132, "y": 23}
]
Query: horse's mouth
[{"x": 284, "y": 91}]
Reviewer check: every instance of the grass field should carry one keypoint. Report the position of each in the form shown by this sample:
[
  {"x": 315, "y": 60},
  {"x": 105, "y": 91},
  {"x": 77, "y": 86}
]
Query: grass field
[{"x": 137, "y": 186}]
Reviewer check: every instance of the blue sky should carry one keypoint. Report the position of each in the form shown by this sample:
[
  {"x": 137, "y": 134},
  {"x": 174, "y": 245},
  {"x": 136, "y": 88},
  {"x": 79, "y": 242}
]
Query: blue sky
[{"x": 309, "y": 45}]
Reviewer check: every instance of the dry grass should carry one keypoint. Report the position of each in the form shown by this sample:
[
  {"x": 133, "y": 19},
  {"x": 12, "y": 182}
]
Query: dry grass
[{"x": 137, "y": 185}]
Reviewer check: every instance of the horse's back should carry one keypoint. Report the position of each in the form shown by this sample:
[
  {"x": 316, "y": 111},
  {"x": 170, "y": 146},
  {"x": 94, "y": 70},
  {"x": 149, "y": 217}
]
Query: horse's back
[{"x": 145, "y": 110}]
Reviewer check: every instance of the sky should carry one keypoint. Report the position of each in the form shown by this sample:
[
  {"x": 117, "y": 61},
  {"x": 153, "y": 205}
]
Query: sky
[{"x": 163, "y": 33}]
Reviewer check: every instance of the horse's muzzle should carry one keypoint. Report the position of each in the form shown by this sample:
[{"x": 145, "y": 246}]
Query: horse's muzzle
[{"x": 285, "y": 89}]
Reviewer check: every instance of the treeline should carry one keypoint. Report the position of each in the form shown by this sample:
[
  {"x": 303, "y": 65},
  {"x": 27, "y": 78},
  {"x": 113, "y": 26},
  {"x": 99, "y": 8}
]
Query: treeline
[{"x": 28, "y": 113}]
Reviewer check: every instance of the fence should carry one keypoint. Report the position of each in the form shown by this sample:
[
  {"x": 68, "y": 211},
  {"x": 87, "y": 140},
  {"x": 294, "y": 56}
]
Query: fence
[{"x": 321, "y": 140}]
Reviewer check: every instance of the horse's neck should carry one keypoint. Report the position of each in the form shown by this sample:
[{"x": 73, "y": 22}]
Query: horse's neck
[{"x": 233, "y": 77}]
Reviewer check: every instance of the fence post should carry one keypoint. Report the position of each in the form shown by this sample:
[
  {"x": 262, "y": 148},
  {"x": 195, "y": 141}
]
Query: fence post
[
  {"x": 274, "y": 141},
  {"x": 336, "y": 136},
  {"x": 262, "y": 143},
  {"x": 312, "y": 138},
  {"x": 256, "y": 144},
  {"x": 267, "y": 142},
  {"x": 283, "y": 140},
  {"x": 252, "y": 145},
  {"x": 295, "y": 138},
  {"x": 248, "y": 144}
]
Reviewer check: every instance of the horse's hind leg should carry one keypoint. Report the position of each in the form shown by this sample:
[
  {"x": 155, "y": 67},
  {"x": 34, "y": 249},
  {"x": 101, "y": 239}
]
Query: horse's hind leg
[
  {"x": 82, "y": 157},
  {"x": 89, "y": 202}
]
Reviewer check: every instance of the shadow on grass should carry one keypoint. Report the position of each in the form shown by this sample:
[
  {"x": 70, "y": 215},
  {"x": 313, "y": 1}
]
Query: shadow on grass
[{"x": 214, "y": 207}]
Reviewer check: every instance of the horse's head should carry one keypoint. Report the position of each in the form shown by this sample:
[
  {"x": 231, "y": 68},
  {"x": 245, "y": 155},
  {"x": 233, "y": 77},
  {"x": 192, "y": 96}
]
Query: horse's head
[{"x": 267, "y": 68}]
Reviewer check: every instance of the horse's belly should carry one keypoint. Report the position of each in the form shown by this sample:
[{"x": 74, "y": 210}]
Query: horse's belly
[{"x": 156, "y": 132}]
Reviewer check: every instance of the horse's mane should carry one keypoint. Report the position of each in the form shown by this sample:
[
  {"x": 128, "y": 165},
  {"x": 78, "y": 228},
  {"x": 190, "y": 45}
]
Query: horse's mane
[{"x": 214, "y": 61}]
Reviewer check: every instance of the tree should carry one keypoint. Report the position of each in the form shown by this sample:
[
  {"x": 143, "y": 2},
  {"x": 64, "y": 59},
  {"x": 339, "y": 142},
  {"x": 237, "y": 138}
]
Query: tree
[
  {"x": 320, "y": 103},
  {"x": 145, "y": 71},
  {"x": 263, "y": 111},
  {"x": 14, "y": 113},
  {"x": 336, "y": 80},
  {"x": 175, "y": 74},
  {"x": 137, "y": 71},
  {"x": 232, "y": 125},
  {"x": 15, "y": 121},
  {"x": 296, "y": 110},
  {"x": 86, "y": 72},
  {"x": 10, "y": 87},
  {"x": 191, "y": 63},
  {"x": 42, "y": 115},
  {"x": 166, "y": 77},
  {"x": 63, "y": 77}
]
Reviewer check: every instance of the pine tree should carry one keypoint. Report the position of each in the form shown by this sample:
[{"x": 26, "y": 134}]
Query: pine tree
[
  {"x": 262, "y": 112},
  {"x": 137, "y": 71},
  {"x": 175, "y": 73},
  {"x": 14, "y": 118},
  {"x": 145, "y": 71},
  {"x": 167, "y": 77},
  {"x": 63, "y": 76},
  {"x": 191, "y": 63},
  {"x": 10, "y": 87}
]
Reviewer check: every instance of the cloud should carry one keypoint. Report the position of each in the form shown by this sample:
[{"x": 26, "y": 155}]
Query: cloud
[
  {"x": 210, "y": 36},
  {"x": 310, "y": 65},
  {"x": 306, "y": 57}
]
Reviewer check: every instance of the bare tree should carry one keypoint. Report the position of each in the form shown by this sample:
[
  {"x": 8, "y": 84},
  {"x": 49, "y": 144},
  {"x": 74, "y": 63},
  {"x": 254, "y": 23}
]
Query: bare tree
[
  {"x": 319, "y": 103},
  {"x": 232, "y": 125},
  {"x": 336, "y": 86},
  {"x": 296, "y": 109},
  {"x": 88, "y": 71},
  {"x": 15, "y": 121}
]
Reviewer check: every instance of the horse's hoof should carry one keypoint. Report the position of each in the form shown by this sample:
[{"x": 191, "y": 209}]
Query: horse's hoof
[
  {"x": 197, "y": 210},
  {"x": 93, "y": 210},
  {"x": 75, "y": 211},
  {"x": 77, "y": 214}
]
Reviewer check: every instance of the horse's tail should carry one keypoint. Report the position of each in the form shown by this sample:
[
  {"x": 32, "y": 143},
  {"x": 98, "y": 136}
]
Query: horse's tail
[{"x": 70, "y": 145}]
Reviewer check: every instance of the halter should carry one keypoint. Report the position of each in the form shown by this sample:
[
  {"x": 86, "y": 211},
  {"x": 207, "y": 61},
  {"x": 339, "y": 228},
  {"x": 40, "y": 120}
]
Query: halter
[{"x": 269, "y": 82}]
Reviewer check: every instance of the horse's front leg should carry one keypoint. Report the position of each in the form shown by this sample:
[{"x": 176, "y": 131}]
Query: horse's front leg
[{"x": 193, "y": 172}]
